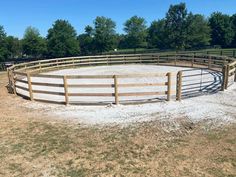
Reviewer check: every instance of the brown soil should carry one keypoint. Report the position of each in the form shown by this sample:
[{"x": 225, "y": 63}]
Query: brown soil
[{"x": 33, "y": 144}]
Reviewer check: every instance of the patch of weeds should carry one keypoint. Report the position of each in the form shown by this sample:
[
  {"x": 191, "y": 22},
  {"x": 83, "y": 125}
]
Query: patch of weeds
[
  {"x": 2, "y": 152},
  {"x": 70, "y": 162},
  {"x": 176, "y": 142},
  {"x": 74, "y": 172},
  {"x": 48, "y": 139},
  {"x": 231, "y": 141},
  {"x": 17, "y": 148},
  {"x": 212, "y": 137},
  {"x": 110, "y": 138},
  {"x": 111, "y": 155},
  {"x": 15, "y": 167},
  {"x": 186, "y": 172},
  {"x": 139, "y": 170},
  {"x": 217, "y": 172},
  {"x": 90, "y": 143},
  {"x": 135, "y": 170},
  {"x": 181, "y": 157}
]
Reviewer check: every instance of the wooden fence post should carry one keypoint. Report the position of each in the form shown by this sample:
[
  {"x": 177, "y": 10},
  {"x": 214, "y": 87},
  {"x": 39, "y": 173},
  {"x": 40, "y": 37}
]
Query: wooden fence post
[
  {"x": 209, "y": 62},
  {"x": 13, "y": 82},
  {"x": 57, "y": 63},
  {"x": 235, "y": 74},
  {"x": 193, "y": 60},
  {"x": 66, "y": 90},
  {"x": 168, "y": 86},
  {"x": 8, "y": 75},
  {"x": 224, "y": 78},
  {"x": 107, "y": 60},
  {"x": 40, "y": 67},
  {"x": 227, "y": 76},
  {"x": 30, "y": 87},
  {"x": 116, "y": 90},
  {"x": 179, "y": 86}
]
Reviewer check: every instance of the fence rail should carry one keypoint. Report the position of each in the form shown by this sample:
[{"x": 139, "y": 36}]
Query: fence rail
[{"x": 21, "y": 76}]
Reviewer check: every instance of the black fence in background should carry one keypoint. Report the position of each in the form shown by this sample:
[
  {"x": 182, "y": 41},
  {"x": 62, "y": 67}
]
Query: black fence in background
[{"x": 222, "y": 52}]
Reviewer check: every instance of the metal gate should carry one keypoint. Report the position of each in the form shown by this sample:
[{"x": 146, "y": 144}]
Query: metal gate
[{"x": 196, "y": 82}]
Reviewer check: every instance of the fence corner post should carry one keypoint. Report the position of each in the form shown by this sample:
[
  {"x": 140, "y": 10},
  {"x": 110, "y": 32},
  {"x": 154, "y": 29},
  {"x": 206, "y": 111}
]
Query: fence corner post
[
  {"x": 8, "y": 75},
  {"x": 116, "y": 90},
  {"x": 225, "y": 73},
  {"x": 227, "y": 77},
  {"x": 30, "y": 86},
  {"x": 179, "y": 86},
  {"x": 168, "y": 86},
  {"x": 66, "y": 90}
]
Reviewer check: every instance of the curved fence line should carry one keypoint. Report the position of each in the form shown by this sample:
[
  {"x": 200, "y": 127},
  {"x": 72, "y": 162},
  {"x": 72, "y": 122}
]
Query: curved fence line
[{"x": 24, "y": 72}]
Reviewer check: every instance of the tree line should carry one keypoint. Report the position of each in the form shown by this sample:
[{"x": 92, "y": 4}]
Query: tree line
[{"x": 179, "y": 30}]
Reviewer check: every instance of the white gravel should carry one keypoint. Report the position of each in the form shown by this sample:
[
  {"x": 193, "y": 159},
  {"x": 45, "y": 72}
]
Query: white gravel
[{"x": 216, "y": 107}]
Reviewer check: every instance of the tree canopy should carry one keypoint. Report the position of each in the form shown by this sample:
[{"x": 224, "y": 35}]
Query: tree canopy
[
  {"x": 136, "y": 31},
  {"x": 157, "y": 35},
  {"x": 14, "y": 47},
  {"x": 33, "y": 44},
  {"x": 3, "y": 45},
  {"x": 62, "y": 40},
  {"x": 86, "y": 41},
  {"x": 198, "y": 32},
  {"x": 104, "y": 34},
  {"x": 176, "y": 26},
  {"x": 222, "y": 32}
]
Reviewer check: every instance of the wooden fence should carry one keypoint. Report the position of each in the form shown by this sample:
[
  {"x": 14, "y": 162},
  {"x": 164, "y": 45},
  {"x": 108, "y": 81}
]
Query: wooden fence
[{"x": 24, "y": 72}]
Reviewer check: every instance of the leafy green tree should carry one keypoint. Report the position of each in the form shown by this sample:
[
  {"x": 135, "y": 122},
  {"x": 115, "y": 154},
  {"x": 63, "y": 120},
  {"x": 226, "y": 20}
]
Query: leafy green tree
[
  {"x": 3, "y": 45},
  {"x": 176, "y": 26},
  {"x": 198, "y": 31},
  {"x": 104, "y": 34},
  {"x": 157, "y": 35},
  {"x": 86, "y": 41},
  {"x": 233, "y": 19},
  {"x": 14, "y": 47},
  {"x": 122, "y": 42},
  {"x": 33, "y": 44},
  {"x": 221, "y": 29},
  {"x": 62, "y": 40},
  {"x": 136, "y": 31}
]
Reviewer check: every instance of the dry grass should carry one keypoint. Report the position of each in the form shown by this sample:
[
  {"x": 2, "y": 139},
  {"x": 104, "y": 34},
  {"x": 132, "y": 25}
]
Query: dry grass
[
  {"x": 38, "y": 148},
  {"x": 32, "y": 144}
]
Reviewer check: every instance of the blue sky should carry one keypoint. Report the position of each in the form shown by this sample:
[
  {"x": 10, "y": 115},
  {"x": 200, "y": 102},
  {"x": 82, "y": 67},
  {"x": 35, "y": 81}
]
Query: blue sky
[{"x": 16, "y": 15}]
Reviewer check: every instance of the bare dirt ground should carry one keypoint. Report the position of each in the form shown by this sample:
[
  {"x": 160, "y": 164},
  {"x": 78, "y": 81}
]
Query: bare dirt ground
[{"x": 33, "y": 143}]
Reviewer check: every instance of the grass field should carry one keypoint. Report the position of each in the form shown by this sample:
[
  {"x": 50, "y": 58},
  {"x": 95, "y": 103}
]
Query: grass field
[{"x": 39, "y": 148}]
